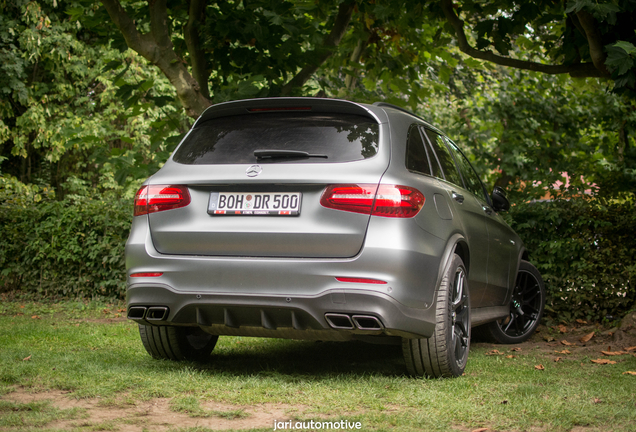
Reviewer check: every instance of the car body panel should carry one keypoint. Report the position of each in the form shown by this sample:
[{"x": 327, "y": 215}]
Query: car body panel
[{"x": 276, "y": 276}]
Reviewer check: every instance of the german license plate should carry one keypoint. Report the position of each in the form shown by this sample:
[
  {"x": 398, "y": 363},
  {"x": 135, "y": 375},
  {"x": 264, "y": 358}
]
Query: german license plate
[{"x": 254, "y": 203}]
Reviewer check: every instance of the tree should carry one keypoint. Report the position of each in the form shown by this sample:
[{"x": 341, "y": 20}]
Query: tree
[
  {"x": 214, "y": 51},
  {"x": 67, "y": 120},
  {"x": 582, "y": 38},
  {"x": 533, "y": 128}
]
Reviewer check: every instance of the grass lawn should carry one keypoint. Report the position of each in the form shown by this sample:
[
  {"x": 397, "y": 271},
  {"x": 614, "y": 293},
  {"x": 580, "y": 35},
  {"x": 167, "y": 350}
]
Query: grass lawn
[{"x": 76, "y": 366}]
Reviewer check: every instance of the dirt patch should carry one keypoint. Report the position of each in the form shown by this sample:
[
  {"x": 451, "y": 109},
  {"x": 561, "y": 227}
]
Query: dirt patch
[
  {"x": 575, "y": 341},
  {"x": 156, "y": 414}
]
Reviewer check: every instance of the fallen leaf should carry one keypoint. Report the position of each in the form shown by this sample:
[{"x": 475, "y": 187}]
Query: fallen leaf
[
  {"x": 613, "y": 353},
  {"x": 564, "y": 342},
  {"x": 511, "y": 356},
  {"x": 630, "y": 349},
  {"x": 35, "y": 317},
  {"x": 21, "y": 306},
  {"x": 580, "y": 321},
  {"x": 494, "y": 352},
  {"x": 603, "y": 361},
  {"x": 629, "y": 373},
  {"x": 121, "y": 310},
  {"x": 515, "y": 349},
  {"x": 106, "y": 311},
  {"x": 548, "y": 338},
  {"x": 587, "y": 337},
  {"x": 562, "y": 328},
  {"x": 504, "y": 402},
  {"x": 558, "y": 359},
  {"x": 563, "y": 352},
  {"x": 539, "y": 367},
  {"x": 597, "y": 400},
  {"x": 27, "y": 358},
  {"x": 480, "y": 430}
]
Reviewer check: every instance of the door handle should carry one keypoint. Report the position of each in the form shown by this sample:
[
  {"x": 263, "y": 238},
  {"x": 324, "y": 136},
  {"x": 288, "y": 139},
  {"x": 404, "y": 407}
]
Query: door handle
[
  {"x": 487, "y": 209},
  {"x": 458, "y": 197}
]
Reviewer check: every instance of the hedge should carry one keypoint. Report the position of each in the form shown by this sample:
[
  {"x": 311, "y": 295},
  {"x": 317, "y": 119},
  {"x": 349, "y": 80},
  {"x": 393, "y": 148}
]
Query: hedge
[
  {"x": 585, "y": 251},
  {"x": 65, "y": 249}
]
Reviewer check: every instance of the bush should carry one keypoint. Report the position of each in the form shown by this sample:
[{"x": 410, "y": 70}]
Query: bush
[
  {"x": 64, "y": 249},
  {"x": 586, "y": 253}
]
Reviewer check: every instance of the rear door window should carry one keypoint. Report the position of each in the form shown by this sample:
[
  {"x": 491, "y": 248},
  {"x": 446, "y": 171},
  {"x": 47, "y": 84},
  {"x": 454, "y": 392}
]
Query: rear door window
[
  {"x": 444, "y": 157},
  {"x": 233, "y": 140},
  {"x": 471, "y": 180},
  {"x": 416, "y": 153}
]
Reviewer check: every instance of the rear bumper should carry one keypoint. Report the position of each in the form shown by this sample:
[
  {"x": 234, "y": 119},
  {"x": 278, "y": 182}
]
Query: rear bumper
[
  {"x": 289, "y": 297},
  {"x": 289, "y": 317}
]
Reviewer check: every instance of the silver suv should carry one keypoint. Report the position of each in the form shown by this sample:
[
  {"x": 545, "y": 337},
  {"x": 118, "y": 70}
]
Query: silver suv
[{"x": 323, "y": 219}]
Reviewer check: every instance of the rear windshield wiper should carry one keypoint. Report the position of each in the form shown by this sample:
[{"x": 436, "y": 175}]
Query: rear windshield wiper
[{"x": 278, "y": 154}]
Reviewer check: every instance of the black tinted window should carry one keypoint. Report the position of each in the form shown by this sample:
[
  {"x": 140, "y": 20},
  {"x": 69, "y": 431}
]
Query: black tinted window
[
  {"x": 444, "y": 157},
  {"x": 471, "y": 180},
  {"x": 232, "y": 140},
  {"x": 416, "y": 156}
]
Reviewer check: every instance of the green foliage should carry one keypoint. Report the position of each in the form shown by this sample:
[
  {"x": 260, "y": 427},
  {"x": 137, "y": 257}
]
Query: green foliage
[
  {"x": 531, "y": 129},
  {"x": 74, "y": 114},
  {"x": 586, "y": 252},
  {"x": 567, "y": 33},
  {"x": 62, "y": 249}
]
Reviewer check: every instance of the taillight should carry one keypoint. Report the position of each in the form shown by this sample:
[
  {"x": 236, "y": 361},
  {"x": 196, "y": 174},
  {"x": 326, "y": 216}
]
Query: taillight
[
  {"x": 385, "y": 200},
  {"x": 360, "y": 280},
  {"x": 156, "y": 198},
  {"x": 153, "y": 274}
]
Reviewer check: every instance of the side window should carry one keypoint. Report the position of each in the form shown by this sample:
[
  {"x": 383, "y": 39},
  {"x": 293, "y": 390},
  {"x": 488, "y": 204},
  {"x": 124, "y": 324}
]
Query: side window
[
  {"x": 416, "y": 153},
  {"x": 444, "y": 157},
  {"x": 471, "y": 180}
]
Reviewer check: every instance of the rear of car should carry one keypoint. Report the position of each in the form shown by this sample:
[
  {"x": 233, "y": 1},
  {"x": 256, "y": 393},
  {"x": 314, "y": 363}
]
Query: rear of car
[
  {"x": 272, "y": 219},
  {"x": 320, "y": 219}
]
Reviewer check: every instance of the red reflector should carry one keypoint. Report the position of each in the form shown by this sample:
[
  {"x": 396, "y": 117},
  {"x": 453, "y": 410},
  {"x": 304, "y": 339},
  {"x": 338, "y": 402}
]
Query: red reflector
[
  {"x": 156, "y": 198},
  {"x": 385, "y": 200},
  {"x": 145, "y": 274},
  {"x": 279, "y": 109},
  {"x": 359, "y": 280}
]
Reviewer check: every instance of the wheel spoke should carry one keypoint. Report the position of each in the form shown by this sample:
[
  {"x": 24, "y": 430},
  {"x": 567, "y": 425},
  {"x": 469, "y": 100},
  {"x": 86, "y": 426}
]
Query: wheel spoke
[
  {"x": 512, "y": 319},
  {"x": 528, "y": 300},
  {"x": 458, "y": 289}
]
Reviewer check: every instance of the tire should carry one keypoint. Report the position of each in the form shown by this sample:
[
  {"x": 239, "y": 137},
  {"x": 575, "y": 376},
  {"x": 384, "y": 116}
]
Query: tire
[
  {"x": 177, "y": 343},
  {"x": 526, "y": 309},
  {"x": 445, "y": 353}
]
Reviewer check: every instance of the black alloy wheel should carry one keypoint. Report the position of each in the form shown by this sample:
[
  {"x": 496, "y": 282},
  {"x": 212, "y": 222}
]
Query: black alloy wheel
[
  {"x": 460, "y": 317},
  {"x": 526, "y": 309}
]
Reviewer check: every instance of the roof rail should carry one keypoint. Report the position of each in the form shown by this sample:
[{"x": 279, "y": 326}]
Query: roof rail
[{"x": 399, "y": 108}]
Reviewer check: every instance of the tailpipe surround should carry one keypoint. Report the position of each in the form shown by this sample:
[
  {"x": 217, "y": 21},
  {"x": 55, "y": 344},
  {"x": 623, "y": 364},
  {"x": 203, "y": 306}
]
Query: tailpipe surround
[
  {"x": 157, "y": 313},
  {"x": 339, "y": 321},
  {"x": 137, "y": 312},
  {"x": 153, "y": 313},
  {"x": 367, "y": 322}
]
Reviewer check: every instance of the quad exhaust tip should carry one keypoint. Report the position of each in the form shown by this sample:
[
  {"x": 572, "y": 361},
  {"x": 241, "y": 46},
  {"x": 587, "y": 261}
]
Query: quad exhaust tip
[
  {"x": 346, "y": 322},
  {"x": 339, "y": 321},
  {"x": 154, "y": 313},
  {"x": 367, "y": 322}
]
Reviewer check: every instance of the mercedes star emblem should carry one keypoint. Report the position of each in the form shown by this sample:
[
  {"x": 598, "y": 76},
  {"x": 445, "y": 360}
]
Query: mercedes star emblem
[{"x": 253, "y": 171}]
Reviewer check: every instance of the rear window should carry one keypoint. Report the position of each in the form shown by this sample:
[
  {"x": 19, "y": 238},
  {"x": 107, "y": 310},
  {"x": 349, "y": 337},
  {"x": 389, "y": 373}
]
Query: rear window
[{"x": 233, "y": 140}]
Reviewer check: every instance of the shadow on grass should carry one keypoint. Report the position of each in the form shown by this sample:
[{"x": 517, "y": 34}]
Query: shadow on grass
[{"x": 249, "y": 356}]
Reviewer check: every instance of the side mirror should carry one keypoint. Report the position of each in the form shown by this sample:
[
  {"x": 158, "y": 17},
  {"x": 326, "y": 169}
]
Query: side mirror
[{"x": 499, "y": 200}]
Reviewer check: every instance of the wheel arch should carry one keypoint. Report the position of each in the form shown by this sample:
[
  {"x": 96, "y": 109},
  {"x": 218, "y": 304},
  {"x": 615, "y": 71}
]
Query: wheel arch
[
  {"x": 456, "y": 244},
  {"x": 522, "y": 255}
]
